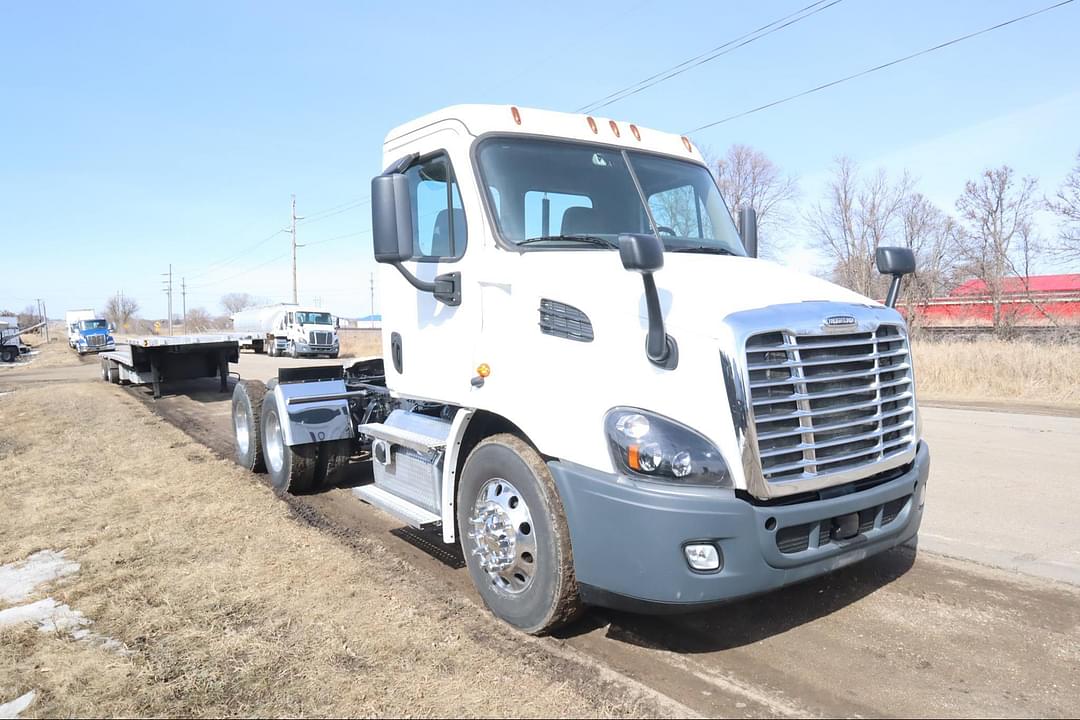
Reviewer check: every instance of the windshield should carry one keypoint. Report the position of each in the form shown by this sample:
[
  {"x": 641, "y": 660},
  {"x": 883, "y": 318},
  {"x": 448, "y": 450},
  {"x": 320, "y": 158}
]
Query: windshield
[
  {"x": 568, "y": 194},
  {"x": 95, "y": 325},
  {"x": 313, "y": 318}
]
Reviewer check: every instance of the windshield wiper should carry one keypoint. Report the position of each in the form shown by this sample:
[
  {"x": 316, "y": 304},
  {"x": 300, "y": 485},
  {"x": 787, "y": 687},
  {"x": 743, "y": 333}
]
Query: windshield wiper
[
  {"x": 586, "y": 239},
  {"x": 704, "y": 249}
]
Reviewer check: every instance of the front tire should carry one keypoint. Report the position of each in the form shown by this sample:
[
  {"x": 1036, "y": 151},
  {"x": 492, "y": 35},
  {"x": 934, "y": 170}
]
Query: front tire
[
  {"x": 291, "y": 469},
  {"x": 247, "y": 405},
  {"x": 292, "y": 351},
  {"x": 515, "y": 537}
]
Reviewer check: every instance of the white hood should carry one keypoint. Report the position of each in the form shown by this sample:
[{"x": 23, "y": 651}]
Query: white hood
[{"x": 696, "y": 290}]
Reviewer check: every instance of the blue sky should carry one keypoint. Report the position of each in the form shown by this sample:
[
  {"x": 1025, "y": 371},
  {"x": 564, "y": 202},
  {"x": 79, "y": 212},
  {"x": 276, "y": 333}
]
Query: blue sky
[{"x": 137, "y": 134}]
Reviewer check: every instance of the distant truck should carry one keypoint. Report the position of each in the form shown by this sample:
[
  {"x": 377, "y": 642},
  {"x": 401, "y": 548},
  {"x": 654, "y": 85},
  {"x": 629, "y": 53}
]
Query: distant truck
[
  {"x": 88, "y": 332},
  {"x": 287, "y": 329},
  {"x": 11, "y": 344}
]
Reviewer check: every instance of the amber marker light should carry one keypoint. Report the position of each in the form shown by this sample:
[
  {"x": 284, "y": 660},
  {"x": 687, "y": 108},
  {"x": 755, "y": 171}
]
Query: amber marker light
[
  {"x": 614, "y": 127},
  {"x": 633, "y": 458},
  {"x": 516, "y": 114},
  {"x": 686, "y": 142},
  {"x": 636, "y": 132},
  {"x": 483, "y": 370},
  {"x": 592, "y": 125}
]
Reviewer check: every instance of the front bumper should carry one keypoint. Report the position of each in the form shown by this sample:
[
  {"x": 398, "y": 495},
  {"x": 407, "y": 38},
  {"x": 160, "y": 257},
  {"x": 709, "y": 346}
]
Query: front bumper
[
  {"x": 309, "y": 349},
  {"x": 628, "y": 537}
]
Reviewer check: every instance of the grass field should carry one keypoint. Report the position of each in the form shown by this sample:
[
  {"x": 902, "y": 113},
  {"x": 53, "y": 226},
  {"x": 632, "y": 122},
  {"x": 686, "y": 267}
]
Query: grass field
[
  {"x": 227, "y": 605},
  {"x": 997, "y": 371}
]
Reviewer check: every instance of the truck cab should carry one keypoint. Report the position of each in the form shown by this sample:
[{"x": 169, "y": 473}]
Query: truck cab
[
  {"x": 90, "y": 334},
  {"x": 596, "y": 389}
]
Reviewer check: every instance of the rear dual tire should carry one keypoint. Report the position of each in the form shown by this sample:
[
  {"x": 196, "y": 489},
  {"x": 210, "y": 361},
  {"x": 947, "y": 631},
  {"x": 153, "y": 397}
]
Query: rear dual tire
[{"x": 261, "y": 447}]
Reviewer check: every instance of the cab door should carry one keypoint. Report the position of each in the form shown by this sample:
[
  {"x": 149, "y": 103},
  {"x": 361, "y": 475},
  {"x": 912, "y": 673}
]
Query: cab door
[{"x": 428, "y": 344}]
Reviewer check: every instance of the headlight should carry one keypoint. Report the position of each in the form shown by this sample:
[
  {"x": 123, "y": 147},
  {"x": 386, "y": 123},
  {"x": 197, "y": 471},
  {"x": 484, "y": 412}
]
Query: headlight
[
  {"x": 646, "y": 445},
  {"x": 109, "y": 340}
]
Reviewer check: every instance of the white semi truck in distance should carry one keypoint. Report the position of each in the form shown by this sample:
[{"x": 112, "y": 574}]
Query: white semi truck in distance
[
  {"x": 88, "y": 332},
  {"x": 593, "y": 385},
  {"x": 287, "y": 329}
]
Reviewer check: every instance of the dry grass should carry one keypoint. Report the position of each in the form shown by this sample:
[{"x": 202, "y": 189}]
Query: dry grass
[
  {"x": 360, "y": 342},
  {"x": 997, "y": 371},
  {"x": 230, "y": 605}
]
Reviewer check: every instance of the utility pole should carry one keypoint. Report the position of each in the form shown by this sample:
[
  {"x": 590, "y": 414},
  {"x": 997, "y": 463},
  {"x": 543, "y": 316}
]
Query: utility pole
[
  {"x": 294, "y": 246},
  {"x": 168, "y": 289},
  {"x": 183, "y": 294},
  {"x": 41, "y": 316}
]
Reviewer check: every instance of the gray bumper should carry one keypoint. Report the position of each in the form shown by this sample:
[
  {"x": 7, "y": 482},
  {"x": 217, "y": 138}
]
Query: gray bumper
[{"x": 627, "y": 536}]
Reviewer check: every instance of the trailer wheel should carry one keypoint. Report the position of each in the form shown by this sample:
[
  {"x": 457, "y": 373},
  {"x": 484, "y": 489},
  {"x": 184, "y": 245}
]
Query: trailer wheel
[
  {"x": 291, "y": 468},
  {"x": 113, "y": 371},
  {"x": 7, "y": 354},
  {"x": 104, "y": 369},
  {"x": 515, "y": 537},
  {"x": 247, "y": 404}
]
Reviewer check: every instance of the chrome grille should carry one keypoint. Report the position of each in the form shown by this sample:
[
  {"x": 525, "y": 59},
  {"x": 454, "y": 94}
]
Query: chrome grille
[
  {"x": 95, "y": 340},
  {"x": 320, "y": 338},
  {"x": 829, "y": 403}
]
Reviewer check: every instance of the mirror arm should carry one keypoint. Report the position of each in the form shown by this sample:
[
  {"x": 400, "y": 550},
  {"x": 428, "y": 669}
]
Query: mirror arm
[
  {"x": 660, "y": 347},
  {"x": 894, "y": 291},
  {"x": 446, "y": 287}
]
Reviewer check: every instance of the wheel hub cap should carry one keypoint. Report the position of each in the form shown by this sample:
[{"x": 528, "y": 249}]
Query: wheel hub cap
[
  {"x": 502, "y": 536},
  {"x": 241, "y": 422}
]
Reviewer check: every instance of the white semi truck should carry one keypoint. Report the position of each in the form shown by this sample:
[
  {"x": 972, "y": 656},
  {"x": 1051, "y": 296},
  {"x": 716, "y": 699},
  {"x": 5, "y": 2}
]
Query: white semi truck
[
  {"x": 593, "y": 385},
  {"x": 287, "y": 329}
]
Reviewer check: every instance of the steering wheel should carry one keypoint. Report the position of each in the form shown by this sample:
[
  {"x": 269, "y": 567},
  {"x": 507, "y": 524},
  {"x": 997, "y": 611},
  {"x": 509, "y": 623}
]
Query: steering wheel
[{"x": 666, "y": 229}]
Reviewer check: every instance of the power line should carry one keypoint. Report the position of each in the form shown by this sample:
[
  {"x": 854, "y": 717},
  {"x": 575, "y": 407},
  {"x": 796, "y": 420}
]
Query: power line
[
  {"x": 709, "y": 55},
  {"x": 338, "y": 237},
  {"x": 897, "y": 61},
  {"x": 216, "y": 265},
  {"x": 316, "y": 217},
  {"x": 245, "y": 271}
]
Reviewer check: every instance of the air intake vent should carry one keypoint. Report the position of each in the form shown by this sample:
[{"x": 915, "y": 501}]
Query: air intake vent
[{"x": 564, "y": 321}]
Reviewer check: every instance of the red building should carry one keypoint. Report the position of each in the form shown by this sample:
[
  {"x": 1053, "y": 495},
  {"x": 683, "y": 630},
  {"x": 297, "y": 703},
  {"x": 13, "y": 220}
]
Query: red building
[{"x": 1022, "y": 304}]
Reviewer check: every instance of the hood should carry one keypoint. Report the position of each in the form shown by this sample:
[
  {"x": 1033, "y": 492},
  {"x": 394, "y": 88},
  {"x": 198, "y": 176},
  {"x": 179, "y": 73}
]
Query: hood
[
  {"x": 94, "y": 331},
  {"x": 696, "y": 291}
]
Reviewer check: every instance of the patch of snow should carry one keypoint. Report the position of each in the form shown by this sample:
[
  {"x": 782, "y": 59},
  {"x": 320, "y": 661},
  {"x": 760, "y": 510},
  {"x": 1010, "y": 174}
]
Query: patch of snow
[
  {"x": 51, "y": 616},
  {"x": 16, "y": 706},
  {"x": 18, "y": 580}
]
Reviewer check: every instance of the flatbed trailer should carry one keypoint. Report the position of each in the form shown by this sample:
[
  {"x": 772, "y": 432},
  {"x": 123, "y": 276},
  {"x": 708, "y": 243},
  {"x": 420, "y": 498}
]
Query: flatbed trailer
[{"x": 154, "y": 360}]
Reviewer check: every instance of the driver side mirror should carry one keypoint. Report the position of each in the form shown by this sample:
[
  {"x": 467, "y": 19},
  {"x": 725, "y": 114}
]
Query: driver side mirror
[
  {"x": 391, "y": 218},
  {"x": 748, "y": 230},
  {"x": 645, "y": 254}
]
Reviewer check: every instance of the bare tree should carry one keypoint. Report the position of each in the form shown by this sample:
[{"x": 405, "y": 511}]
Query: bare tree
[
  {"x": 235, "y": 302},
  {"x": 199, "y": 320},
  {"x": 120, "y": 310},
  {"x": 997, "y": 210},
  {"x": 748, "y": 178},
  {"x": 29, "y": 316},
  {"x": 856, "y": 218},
  {"x": 1066, "y": 204},
  {"x": 934, "y": 237}
]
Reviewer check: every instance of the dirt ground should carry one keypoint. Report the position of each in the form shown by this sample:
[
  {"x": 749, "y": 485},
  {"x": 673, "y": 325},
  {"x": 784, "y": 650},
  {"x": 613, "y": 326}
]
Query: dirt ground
[{"x": 228, "y": 605}]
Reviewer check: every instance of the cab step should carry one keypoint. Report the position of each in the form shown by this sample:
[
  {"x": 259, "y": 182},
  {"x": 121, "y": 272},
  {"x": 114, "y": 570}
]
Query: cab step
[
  {"x": 400, "y": 508},
  {"x": 400, "y": 436}
]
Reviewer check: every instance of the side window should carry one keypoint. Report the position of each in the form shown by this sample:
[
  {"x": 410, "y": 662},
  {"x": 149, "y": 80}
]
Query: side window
[
  {"x": 678, "y": 210},
  {"x": 439, "y": 230},
  {"x": 546, "y": 213}
]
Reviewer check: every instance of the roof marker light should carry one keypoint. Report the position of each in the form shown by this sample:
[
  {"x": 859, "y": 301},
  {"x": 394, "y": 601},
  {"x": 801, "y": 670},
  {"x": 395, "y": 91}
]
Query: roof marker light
[
  {"x": 686, "y": 142},
  {"x": 636, "y": 132},
  {"x": 592, "y": 125},
  {"x": 614, "y": 127},
  {"x": 516, "y": 114}
]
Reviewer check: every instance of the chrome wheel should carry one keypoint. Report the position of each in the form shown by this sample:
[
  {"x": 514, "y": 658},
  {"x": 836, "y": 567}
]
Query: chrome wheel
[
  {"x": 502, "y": 536},
  {"x": 273, "y": 443},
  {"x": 242, "y": 423}
]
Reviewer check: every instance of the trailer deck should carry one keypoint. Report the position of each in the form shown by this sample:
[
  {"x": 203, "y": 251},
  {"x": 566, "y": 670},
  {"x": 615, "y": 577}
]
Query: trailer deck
[{"x": 154, "y": 360}]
